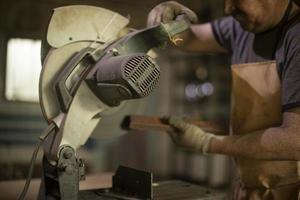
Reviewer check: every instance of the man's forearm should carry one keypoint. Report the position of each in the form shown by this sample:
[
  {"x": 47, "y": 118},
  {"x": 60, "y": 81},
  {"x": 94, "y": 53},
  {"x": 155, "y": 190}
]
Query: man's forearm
[
  {"x": 199, "y": 38},
  {"x": 270, "y": 144}
]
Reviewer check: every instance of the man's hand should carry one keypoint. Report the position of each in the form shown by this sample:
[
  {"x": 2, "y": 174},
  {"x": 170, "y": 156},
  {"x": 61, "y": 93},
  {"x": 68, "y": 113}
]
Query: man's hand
[
  {"x": 169, "y": 11},
  {"x": 188, "y": 135}
]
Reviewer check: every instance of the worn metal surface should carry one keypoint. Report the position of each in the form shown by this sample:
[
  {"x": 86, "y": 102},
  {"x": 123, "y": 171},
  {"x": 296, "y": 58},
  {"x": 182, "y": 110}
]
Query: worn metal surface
[
  {"x": 179, "y": 190},
  {"x": 166, "y": 190},
  {"x": 61, "y": 181},
  {"x": 99, "y": 24},
  {"x": 68, "y": 174}
]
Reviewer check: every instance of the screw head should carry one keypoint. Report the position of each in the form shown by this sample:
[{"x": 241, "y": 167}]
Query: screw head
[{"x": 68, "y": 154}]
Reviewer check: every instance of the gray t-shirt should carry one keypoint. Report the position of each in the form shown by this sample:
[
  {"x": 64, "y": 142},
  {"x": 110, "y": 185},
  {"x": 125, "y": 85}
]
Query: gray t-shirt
[{"x": 247, "y": 47}]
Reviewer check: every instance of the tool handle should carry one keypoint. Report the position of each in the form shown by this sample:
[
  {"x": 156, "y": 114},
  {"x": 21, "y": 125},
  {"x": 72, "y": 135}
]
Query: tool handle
[{"x": 144, "y": 123}]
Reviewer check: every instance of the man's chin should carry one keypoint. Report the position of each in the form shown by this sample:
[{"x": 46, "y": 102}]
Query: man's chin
[{"x": 250, "y": 27}]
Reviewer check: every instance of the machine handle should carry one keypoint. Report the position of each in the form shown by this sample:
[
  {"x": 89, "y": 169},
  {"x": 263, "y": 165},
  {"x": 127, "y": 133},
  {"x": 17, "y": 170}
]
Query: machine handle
[
  {"x": 154, "y": 123},
  {"x": 64, "y": 91}
]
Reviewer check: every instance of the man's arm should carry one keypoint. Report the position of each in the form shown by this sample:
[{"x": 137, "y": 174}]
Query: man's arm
[
  {"x": 278, "y": 143},
  {"x": 200, "y": 38}
]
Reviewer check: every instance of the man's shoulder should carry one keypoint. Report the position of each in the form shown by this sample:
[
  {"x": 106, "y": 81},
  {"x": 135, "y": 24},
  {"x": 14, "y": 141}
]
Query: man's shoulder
[
  {"x": 292, "y": 32},
  {"x": 230, "y": 28},
  {"x": 290, "y": 43},
  {"x": 231, "y": 22}
]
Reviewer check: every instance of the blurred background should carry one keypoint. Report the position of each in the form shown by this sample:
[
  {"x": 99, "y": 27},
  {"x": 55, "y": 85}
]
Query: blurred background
[{"x": 192, "y": 85}]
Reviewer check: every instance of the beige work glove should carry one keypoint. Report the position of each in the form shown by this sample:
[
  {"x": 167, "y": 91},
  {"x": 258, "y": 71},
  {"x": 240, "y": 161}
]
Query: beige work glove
[
  {"x": 169, "y": 11},
  {"x": 188, "y": 135}
]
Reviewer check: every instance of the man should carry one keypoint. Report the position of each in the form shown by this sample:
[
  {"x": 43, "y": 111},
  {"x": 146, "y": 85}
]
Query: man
[{"x": 263, "y": 39}]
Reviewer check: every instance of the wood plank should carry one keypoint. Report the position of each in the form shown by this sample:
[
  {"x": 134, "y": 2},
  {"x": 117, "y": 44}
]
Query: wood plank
[{"x": 154, "y": 123}]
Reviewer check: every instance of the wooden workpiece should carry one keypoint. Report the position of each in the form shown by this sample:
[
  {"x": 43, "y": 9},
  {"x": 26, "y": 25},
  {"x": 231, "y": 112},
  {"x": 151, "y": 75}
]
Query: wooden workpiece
[{"x": 153, "y": 123}]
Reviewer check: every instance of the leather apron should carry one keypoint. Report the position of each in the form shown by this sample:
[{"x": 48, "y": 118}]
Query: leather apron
[{"x": 256, "y": 105}]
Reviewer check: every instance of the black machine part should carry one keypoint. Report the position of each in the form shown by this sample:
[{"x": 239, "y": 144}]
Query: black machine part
[
  {"x": 68, "y": 81},
  {"x": 133, "y": 184},
  {"x": 123, "y": 77}
]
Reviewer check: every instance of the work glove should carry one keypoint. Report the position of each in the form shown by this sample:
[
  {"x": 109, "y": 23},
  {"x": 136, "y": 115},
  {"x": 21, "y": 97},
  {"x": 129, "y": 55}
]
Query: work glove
[
  {"x": 169, "y": 11},
  {"x": 188, "y": 135}
]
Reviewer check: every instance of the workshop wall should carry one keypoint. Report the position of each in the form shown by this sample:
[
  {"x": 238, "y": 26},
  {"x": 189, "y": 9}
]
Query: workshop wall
[{"x": 183, "y": 74}]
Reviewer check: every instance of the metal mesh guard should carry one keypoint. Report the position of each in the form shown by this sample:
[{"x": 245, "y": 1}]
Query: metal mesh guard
[{"x": 142, "y": 73}]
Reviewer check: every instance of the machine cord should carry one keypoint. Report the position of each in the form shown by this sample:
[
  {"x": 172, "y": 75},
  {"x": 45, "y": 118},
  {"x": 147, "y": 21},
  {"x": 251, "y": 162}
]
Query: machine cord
[{"x": 42, "y": 138}]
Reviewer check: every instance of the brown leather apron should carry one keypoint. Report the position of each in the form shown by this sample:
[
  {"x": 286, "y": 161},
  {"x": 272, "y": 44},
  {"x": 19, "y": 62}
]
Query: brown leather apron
[{"x": 256, "y": 105}]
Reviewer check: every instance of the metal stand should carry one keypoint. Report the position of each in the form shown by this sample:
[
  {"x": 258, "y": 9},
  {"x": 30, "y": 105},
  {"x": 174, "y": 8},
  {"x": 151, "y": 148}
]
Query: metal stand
[
  {"x": 62, "y": 180},
  {"x": 132, "y": 184}
]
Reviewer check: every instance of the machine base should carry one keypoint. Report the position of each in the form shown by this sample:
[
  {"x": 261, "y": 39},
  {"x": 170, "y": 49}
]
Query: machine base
[{"x": 166, "y": 190}]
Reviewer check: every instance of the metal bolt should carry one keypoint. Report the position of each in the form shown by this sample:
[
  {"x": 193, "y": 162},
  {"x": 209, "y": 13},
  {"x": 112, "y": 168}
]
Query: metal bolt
[
  {"x": 68, "y": 154},
  {"x": 115, "y": 52}
]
